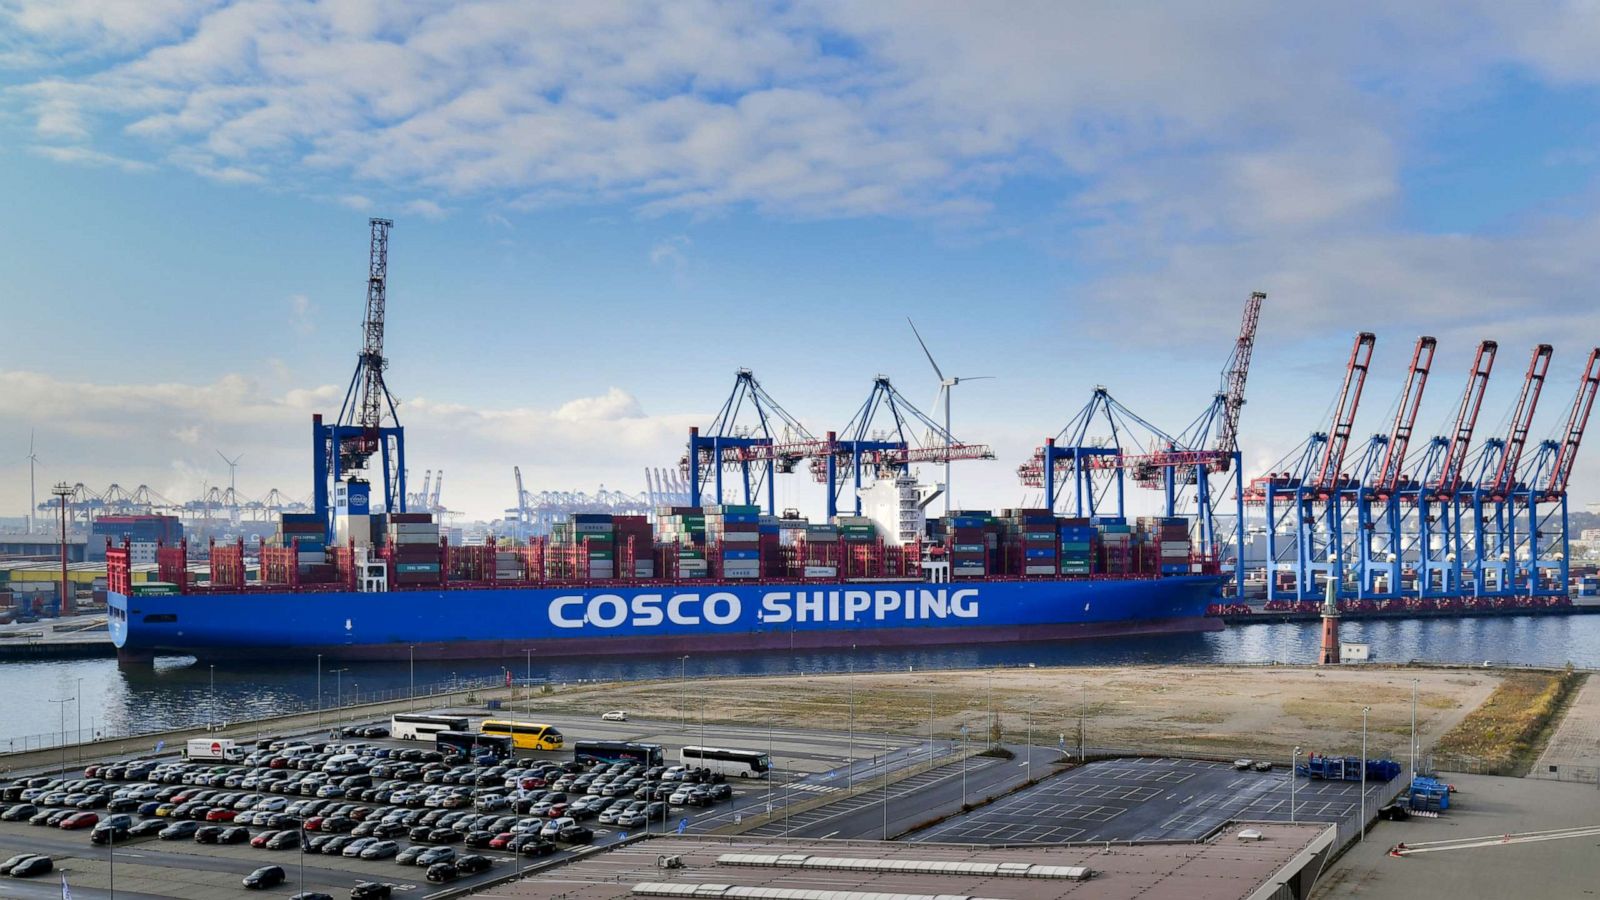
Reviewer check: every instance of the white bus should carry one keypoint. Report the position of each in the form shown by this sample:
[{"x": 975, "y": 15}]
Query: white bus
[
  {"x": 406, "y": 727},
  {"x": 742, "y": 763}
]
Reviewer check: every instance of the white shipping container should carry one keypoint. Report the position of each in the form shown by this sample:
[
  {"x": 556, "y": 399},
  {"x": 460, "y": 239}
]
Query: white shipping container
[
  {"x": 968, "y": 570},
  {"x": 822, "y": 571},
  {"x": 740, "y": 537},
  {"x": 413, "y": 528},
  {"x": 413, "y": 539},
  {"x": 1040, "y": 570}
]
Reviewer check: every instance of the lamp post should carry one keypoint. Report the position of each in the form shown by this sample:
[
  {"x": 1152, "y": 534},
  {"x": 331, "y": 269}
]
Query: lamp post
[
  {"x": 529, "y": 680},
  {"x": 411, "y": 658},
  {"x": 111, "y": 859},
  {"x": 1294, "y": 763},
  {"x": 79, "y": 708},
  {"x": 338, "y": 689},
  {"x": 319, "y": 691},
  {"x": 850, "y": 764},
  {"x": 1083, "y": 714},
  {"x": 1413, "y": 729},
  {"x": 683, "y": 690},
  {"x": 211, "y": 714},
  {"x": 64, "y": 701},
  {"x": 963, "y": 765},
  {"x": 1364, "y": 711}
]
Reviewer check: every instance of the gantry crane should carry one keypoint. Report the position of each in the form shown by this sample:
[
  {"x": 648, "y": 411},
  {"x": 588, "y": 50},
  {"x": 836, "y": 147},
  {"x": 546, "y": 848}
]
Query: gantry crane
[
  {"x": 775, "y": 442},
  {"x": 888, "y": 449},
  {"x": 344, "y": 449}
]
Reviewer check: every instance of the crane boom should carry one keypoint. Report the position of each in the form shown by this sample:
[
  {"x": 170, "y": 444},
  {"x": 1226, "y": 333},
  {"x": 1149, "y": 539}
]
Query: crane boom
[
  {"x": 1405, "y": 417},
  {"x": 1577, "y": 420},
  {"x": 1455, "y": 461},
  {"x": 1238, "y": 371},
  {"x": 1505, "y": 477},
  {"x": 373, "y": 391},
  {"x": 1344, "y": 412}
]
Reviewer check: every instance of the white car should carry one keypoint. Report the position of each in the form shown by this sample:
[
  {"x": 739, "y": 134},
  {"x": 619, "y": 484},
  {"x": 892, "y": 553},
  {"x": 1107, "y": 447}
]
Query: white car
[{"x": 616, "y": 715}]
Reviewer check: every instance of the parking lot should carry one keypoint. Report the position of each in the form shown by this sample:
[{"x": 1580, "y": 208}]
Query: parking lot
[
  {"x": 1150, "y": 799},
  {"x": 395, "y": 799}
]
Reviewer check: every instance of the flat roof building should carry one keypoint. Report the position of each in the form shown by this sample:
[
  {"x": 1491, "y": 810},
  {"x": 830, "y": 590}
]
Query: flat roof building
[{"x": 1277, "y": 861}]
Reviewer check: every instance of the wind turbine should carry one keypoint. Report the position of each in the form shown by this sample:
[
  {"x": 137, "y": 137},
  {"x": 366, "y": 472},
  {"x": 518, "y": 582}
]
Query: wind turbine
[
  {"x": 233, "y": 470},
  {"x": 33, "y": 500},
  {"x": 945, "y": 386}
]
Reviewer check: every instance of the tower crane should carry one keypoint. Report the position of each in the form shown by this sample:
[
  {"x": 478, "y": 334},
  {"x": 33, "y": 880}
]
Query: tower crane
[{"x": 344, "y": 450}]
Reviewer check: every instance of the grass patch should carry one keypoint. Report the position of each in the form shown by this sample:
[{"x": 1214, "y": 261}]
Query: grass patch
[{"x": 1508, "y": 729}]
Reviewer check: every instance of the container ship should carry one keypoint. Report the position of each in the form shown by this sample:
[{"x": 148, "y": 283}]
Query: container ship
[{"x": 700, "y": 578}]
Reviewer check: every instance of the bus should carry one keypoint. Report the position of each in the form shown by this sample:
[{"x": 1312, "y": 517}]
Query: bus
[
  {"x": 407, "y": 727},
  {"x": 525, "y": 735},
  {"x": 743, "y": 763},
  {"x": 472, "y": 745},
  {"x": 594, "y": 752}
]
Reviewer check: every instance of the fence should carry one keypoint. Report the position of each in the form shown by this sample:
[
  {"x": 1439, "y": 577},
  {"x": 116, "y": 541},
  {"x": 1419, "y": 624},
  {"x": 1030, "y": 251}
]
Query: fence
[{"x": 352, "y": 699}]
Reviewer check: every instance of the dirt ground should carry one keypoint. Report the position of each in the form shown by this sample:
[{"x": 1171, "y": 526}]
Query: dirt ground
[{"x": 1212, "y": 710}]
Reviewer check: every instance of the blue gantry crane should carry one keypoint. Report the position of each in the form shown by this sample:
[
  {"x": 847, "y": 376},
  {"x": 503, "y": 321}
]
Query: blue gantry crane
[
  {"x": 342, "y": 451},
  {"x": 751, "y": 435}
]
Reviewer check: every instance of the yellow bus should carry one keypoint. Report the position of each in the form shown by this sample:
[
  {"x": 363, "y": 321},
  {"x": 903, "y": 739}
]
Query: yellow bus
[{"x": 524, "y": 735}]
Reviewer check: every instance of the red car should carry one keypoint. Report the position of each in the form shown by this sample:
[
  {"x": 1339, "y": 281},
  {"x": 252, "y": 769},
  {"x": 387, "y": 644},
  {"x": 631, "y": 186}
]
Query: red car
[
  {"x": 221, "y": 814},
  {"x": 558, "y": 810},
  {"x": 91, "y": 772},
  {"x": 315, "y": 823},
  {"x": 80, "y": 820},
  {"x": 500, "y": 840},
  {"x": 261, "y": 839}
]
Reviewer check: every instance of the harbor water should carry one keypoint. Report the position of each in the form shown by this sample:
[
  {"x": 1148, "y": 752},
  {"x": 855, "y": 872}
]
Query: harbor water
[{"x": 99, "y": 697}]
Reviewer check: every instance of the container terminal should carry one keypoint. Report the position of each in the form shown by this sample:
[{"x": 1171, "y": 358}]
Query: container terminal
[{"x": 1450, "y": 529}]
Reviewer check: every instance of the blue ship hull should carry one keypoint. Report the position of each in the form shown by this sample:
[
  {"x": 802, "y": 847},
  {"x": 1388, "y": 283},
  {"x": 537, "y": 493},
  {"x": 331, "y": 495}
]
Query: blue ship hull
[{"x": 600, "y": 620}]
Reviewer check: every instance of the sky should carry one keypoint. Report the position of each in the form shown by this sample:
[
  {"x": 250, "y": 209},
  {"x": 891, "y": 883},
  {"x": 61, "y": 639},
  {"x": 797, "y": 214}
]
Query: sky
[{"x": 604, "y": 210}]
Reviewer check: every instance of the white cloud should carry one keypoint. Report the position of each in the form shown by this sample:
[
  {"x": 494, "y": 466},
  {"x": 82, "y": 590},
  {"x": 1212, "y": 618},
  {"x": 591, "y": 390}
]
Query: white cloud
[
  {"x": 356, "y": 202},
  {"x": 425, "y": 208},
  {"x": 164, "y": 434},
  {"x": 671, "y": 251},
  {"x": 300, "y": 312},
  {"x": 84, "y": 156}
]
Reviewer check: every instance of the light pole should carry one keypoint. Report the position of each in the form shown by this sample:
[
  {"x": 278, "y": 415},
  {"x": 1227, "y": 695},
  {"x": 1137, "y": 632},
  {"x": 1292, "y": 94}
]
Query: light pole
[
  {"x": 683, "y": 690},
  {"x": 319, "y": 691},
  {"x": 1083, "y": 714},
  {"x": 1364, "y": 711},
  {"x": 211, "y": 714},
  {"x": 411, "y": 658},
  {"x": 886, "y": 795},
  {"x": 1029, "y": 761},
  {"x": 338, "y": 690},
  {"x": 64, "y": 701},
  {"x": 529, "y": 679},
  {"x": 1294, "y": 763},
  {"x": 1413, "y": 729},
  {"x": 963, "y": 765},
  {"x": 850, "y": 764},
  {"x": 111, "y": 859},
  {"x": 79, "y": 708}
]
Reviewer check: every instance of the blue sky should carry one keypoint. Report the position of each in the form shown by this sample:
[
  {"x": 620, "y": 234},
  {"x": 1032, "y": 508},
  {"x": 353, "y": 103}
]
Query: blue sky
[{"x": 603, "y": 211}]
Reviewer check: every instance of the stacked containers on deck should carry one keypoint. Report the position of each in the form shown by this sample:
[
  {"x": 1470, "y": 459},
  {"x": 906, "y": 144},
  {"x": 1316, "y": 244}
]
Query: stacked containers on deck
[
  {"x": 637, "y": 530},
  {"x": 734, "y": 533},
  {"x": 1169, "y": 537},
  {"x": 968, "y": 534},
  {"x": 770, "y": 530},
  {"x": 1077, "y": 545},
  {"x": 822, "y": 551},
  {"x": 1116, "y": 543},
  {"x": 311, "y": 532},
  {"x": 598, "y": 533},
  {"x": 1031, "y": 536},
  {"x": 413, "y": 540},
  {"x": 685, "y": 527},
  {"x": 508, "y": 565}
]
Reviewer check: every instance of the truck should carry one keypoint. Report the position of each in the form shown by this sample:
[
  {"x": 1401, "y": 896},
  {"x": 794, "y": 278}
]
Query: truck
[{"x": 222, "y": 749}]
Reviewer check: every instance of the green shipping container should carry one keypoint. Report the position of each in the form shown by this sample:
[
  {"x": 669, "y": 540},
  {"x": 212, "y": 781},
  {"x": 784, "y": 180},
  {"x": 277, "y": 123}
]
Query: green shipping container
[
  {"x": 600, "y": 554},
  {"x": 415, "y": 568},
  {"x": 155, "y": 589}
]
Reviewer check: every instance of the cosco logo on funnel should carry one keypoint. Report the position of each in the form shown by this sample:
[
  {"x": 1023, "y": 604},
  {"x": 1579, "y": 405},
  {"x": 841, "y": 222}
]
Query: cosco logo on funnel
[{"x": 644, "y": 610}]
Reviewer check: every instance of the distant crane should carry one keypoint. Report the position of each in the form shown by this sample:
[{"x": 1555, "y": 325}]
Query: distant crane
[
  {"x": 946, "y": 385},
  {"x": 1235, "y": 374}
]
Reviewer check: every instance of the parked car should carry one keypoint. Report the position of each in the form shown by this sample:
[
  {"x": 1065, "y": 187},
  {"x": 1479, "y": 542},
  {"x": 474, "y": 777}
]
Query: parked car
[
  {"x": 264, "y": 877},
  {"x": 439, "y": 873},
  {"x": 178, "y": 831},
  {"x": 32, "y": 867},
  {"x": 13, "y": 862},
  {"x": 147, "y": 827},
  {"x": 371, "y": 890},
  {"x": 78, "y": 821},
  {"x": 381, "y": 850},
  {"x": 472, "y": 864}
]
